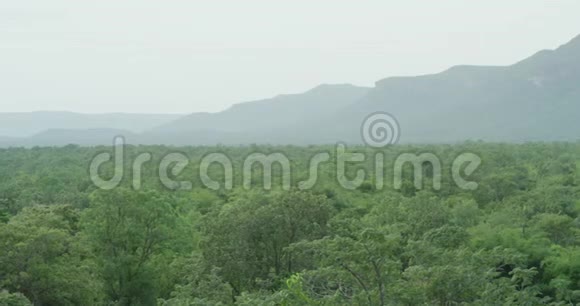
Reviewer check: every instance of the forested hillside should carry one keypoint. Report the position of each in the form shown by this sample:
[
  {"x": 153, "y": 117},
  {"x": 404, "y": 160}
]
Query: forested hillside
[{"x": 515, "y": 240}]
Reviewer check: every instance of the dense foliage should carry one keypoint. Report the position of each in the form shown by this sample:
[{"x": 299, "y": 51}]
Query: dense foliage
[{"x": 515, "y": 240}]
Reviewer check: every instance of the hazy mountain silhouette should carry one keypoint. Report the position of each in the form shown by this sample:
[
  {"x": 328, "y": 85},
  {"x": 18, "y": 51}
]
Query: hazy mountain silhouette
[
  {"x": 533, "y": 100},
  {"x": 261, "y": 121},
  {"x": 28, "y": 124},
  {"x": 62, "y": 137},
  {"x": 536, "y": 99},
  {"x": 278, "y": 112}
]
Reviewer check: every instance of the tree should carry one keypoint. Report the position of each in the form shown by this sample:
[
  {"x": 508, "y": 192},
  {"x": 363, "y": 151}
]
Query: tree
[
  {"x": 43, "y": 258},
  {"x": 13, "y": 299},
  {"x": 248, "y": 237},
  {"x": 127, "y": 229}
]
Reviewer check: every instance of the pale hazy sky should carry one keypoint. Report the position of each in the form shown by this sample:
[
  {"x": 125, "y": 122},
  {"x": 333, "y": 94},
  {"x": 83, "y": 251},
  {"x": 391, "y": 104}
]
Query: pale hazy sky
[{"x": 187, "y": 56}]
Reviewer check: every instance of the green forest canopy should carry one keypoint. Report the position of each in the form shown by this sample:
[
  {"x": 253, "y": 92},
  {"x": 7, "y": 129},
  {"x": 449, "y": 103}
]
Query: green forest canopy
[{"x": 515, "y": 240}]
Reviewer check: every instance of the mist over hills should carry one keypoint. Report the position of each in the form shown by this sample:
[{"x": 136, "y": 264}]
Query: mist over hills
[
  {"x": 536, "y": 99},
  {"x": 265, "y": 121},
  {"x": 28, "y": 124},
  {"x": 63, "y": 137},
  {"x": 279, "y": 112}
]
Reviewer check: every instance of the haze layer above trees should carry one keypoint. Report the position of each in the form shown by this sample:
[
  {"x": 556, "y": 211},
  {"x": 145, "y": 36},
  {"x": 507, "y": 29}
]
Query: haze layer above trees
[{"x": 536, "y": 99}]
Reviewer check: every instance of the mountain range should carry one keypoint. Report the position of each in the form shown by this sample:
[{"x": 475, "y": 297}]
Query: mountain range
[
  {"x": 29, "y": 124},
  {"x": 536, "y": 99}
]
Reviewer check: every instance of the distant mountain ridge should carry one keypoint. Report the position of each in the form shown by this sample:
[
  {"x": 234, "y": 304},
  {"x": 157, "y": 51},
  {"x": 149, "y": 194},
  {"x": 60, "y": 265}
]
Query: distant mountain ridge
[
  {"x": 279, "y": 111},
  {"x": 264, "y": 121},
  {"x": 63, "y": 137},
  {"x": 28, "y": 124},
  {"x": 536, "y": 99}
]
